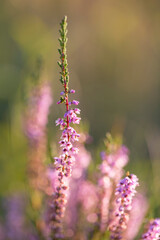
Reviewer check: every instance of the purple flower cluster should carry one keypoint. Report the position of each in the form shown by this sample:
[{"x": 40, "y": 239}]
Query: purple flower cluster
[
  {"x": 76, "y": 207},
  {"x": 72, "y": 117},
  {"x": 37, "y": 113},
  {"x": 15, "y": 218},
  {"x": 153, "y": 232},
  {"x": 83, "y": 159},
  {"x": 77, "y": 199},
  {"x": 125, "y": 192},
  {"x": 65, "y": 161},
  {"x": 56, "y": 204},
  {"x": 16, "y": 226},
  {"x": 114, "y": 162},
  {"x": 64, "y": 164},
  {"x": 36, "y": 119},
  {"x": 136, "y": 216},
  {"x": 111, "y": 172}
]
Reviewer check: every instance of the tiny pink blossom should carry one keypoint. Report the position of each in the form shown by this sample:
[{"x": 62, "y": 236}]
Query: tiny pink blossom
[
  {"x": 77, "y": 110},
  {"x": 72, "y": 91},
  {"x": 75, "y": 102},
  {"x": 59, "y": 102}
]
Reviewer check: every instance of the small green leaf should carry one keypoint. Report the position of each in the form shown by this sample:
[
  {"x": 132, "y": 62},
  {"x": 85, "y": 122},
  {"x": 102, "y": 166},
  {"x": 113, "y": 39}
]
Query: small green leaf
[{"x": 59, "y": 64}]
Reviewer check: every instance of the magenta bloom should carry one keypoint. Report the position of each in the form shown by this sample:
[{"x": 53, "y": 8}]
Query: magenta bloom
[
  {"x": 64, "y": 164},
  {"x": 153, "y": 232},
  {"x": 125, "y": 192},
  {"x": 72, "y": 91},
  {"x": 75, "y": 102}
]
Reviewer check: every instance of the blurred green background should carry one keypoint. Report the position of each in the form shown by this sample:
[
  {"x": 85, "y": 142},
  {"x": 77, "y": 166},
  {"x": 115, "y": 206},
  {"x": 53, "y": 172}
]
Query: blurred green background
[{"x": 113, "y": 55}]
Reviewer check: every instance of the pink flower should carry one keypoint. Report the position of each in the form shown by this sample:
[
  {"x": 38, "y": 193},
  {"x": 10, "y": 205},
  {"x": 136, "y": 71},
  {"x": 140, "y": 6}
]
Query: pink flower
[
  {"x": 88, "y": 197},
  {"x": 37, "y": 112},
  {"x": 125, "y": 192},
  {"x": 136, "y": 216},
  {"x": 72, "y": 91},
  {"x": 36, "y": 119},
  {"x": 111, "y": 171},
  {"x": 75, "y": 102},
  {"x": 153, "y": 230}
]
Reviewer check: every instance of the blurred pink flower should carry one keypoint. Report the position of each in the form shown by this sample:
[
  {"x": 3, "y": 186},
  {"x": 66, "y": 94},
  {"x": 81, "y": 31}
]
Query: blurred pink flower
[
  {"x": 111, "y": 171},
  {"x": 37, "y": 113},
  {"x": 153, "y": 230},
  {"x": 136, "y": 216},
  {"x": 35, "y": 122},
  {"x": 82, "y": 161},
  {"x": 88, "y": 197}
]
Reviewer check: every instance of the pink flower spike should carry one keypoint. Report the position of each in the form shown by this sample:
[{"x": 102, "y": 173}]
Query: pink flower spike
[
  {"x": 64, "y": 163},
  {"x": 125, "y": 192}
]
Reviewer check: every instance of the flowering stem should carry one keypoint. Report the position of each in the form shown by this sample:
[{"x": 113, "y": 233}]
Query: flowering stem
[
  {"x": 64, "y": 162},
  {"x": 125, "y": 192}
]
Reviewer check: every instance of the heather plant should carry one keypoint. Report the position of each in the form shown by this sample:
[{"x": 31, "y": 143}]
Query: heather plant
[
  {"x": 77, "y": 179},
  {"x": 35, "y": 121},
  {"x": 15, "y": 218},
  {"x": 64, "y": 163},
  {"x": 111, "y": 169},
  {"x": 125, "y": 192},
  {"x": 68, "y": 202},
  {"x": 113, "y": 208},
  {"x": 136, "y": 216}
]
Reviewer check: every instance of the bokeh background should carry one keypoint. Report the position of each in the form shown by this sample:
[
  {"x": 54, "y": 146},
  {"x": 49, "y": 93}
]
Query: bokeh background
[{"x": 114, "y": 58}]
